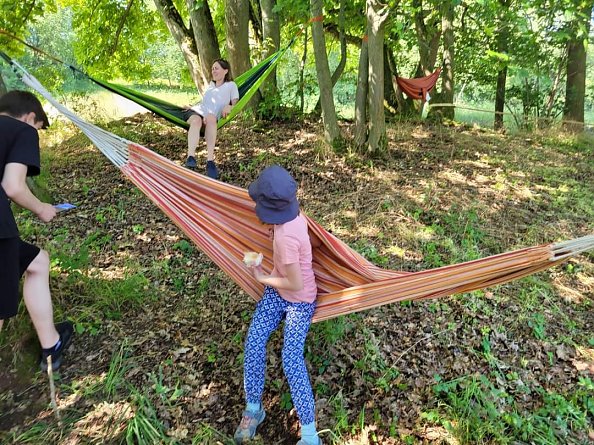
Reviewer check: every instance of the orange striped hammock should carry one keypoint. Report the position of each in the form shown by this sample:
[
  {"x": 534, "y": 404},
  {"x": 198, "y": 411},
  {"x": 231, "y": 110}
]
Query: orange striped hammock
[{"x": 220, "y": 220}]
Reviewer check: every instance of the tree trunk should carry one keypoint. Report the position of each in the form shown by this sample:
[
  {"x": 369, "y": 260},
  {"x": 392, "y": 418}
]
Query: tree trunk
[
  {"x": 575, "y": 88},
  {"x": 377, "y": 13},
  {"x": 185, "y": 40},
  {"x": 360, "y": 137},
  {"x": 554, "y": 90},
  {"x": 502, "y": 39},
  {"x": 236, "y": 28},
  {"x": 428, "y": 41},
  {"x": 390, "y": 87},
  {"x": 256, "y": 21},
  {"x": 271, "y": 37},
  {"x": 447, "y": 75},
  {"x": 343, "y": 54},
  {"x": 331, "y": 130},
  {"x": 3, "y": 89},
  {"x": 302, "y": 73},
  {"x": 205, "y": 36}
]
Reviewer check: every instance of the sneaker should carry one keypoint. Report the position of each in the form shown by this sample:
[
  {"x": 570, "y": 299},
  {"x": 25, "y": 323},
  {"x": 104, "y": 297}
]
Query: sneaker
[
  {"x": 211, "y": 170},
  {"x": 247, "y": 427},
  {"x": 65, "y": 329},
  {"x": 191, "y": 162}
]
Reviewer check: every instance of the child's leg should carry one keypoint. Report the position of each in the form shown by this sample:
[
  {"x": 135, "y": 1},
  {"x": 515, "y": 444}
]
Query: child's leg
[
  {"x": 268, "y": 314},
  {"x": 38, "y": 300},
  {"x": 297, "y": 324}
]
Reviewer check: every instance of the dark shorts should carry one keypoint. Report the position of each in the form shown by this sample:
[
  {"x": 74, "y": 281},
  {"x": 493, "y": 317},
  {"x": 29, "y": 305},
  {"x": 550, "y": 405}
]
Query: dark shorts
[
  {"x": 187, "y": 114},
  {"x": 11, "y": 272}
]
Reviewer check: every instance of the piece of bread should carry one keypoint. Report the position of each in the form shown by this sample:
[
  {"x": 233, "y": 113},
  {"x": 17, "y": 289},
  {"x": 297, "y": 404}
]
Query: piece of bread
[{"x": 252, "y": 258}]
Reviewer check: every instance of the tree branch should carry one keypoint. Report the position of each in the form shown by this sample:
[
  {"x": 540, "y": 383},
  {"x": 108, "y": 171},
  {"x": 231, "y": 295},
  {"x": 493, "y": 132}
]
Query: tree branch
[{"x": 121, "y": 25}]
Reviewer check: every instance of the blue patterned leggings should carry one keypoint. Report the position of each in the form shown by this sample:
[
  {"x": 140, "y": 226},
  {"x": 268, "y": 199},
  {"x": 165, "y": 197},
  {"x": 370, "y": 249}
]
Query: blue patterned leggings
[{"x": 270, "y": 311}]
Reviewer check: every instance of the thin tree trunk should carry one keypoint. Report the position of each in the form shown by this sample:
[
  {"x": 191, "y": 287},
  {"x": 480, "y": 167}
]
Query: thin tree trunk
[
  {"x": 377, "y": 13},
  {"x": 575, "y": 89},
  {"x": 502, "y": 39},
  {"x": 302, "y": 73},
  {"x": 256, "y": 21},
  {"x": 271, "y": 37},
  {"x": 331, "y": 129},
  {"x": 360, "y": 137},
  {"x": 554, "y": 91},
  {"x": 343, "y": 54},
  {"x": 185, "y": 40},
  {"x": 428, "y": 41},
  {"x": 447, "y": 76},
  {"x": 390, "y": 86},
  {"x": 3, "y": 89}
]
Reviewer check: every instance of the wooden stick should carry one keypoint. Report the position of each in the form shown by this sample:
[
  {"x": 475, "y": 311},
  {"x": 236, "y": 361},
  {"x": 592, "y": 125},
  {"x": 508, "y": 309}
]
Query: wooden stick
[{"x": 50, "y": 375}]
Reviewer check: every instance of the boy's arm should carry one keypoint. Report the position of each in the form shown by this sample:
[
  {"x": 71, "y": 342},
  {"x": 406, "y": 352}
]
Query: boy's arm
[{"x": 15, "y": 185}]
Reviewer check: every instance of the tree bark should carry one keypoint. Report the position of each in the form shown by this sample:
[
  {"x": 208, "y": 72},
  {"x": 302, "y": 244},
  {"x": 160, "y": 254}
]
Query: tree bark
[
  {"x": 343, "y": 53},
  {"x": 302, "y": 73},
  {"x": 390, "y": 87},
  {"x": 205, "y": 36},
  {"x": 271, "y": 37},
  {"x": 502, "y": 45},
  {"x": 447, "y": 75},
  {"x": 360, "y": 137},
  {"x": 331, "y": 129},
  {"x": 377, "y": 13},
  {"x": 236, "y": 28},
  {"x": 575, "y": 88},
  {"x": 256, "y": 20},
  {"x": 185, "y": 40},
  {"x": 428, "y": 40},
  {"x": 3, "y": 89}
]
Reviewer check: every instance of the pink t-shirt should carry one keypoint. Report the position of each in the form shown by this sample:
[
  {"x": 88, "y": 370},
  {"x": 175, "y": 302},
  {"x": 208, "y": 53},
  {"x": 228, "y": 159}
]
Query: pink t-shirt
[{"x": 292, "y": 245}]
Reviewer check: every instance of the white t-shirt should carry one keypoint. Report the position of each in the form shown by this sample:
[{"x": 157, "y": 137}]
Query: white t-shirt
[{"x": 215, "y": 98}]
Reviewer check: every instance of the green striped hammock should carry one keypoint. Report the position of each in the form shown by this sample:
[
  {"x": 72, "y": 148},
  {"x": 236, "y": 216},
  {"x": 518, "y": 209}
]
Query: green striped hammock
[{"x": 247, "y": 84}]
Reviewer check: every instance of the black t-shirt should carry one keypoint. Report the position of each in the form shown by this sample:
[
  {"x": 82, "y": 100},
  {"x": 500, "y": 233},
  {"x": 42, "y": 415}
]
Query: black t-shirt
[{"x": 19, "y": 143}]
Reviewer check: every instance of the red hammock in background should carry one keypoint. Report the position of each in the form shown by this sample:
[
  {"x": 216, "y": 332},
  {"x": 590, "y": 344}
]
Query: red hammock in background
[{"x": 418, "y": 88}]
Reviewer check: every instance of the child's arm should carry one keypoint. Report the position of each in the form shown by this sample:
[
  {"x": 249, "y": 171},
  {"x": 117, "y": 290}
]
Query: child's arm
[
  {"x": 293, "y": 281},
  {"x": 15, "y": 186}
]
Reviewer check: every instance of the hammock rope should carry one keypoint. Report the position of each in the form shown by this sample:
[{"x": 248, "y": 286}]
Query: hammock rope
[{"x": 220, "y": 219}]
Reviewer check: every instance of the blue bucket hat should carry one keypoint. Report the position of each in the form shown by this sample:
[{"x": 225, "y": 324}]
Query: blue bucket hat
[{"x": 275, "y": 195}]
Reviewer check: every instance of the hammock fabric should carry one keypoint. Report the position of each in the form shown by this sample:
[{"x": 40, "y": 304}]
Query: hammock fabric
[
  {"x": 419, "y": 87},
  {"x": 220, "y": 219},
  {"x": 247, "y": 84}
]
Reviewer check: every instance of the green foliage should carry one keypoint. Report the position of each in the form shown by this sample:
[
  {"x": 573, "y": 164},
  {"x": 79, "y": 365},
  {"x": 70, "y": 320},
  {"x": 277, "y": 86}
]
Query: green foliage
[
  {"x": 476, "y": 410},
  {"x": 454, "y": 234},
  {"x": 115, "y": 40}
]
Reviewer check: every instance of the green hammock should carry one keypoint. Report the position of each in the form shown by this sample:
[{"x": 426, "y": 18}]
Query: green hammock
[{"x": 247, "y": 84}]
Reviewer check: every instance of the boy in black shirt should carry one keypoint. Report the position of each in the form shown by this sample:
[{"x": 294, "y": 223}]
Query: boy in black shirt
[{"x": 21, "y": 115}]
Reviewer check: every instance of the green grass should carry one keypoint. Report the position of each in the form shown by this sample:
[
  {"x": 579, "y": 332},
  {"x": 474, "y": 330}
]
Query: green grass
[{"x": 476, "y": 409}]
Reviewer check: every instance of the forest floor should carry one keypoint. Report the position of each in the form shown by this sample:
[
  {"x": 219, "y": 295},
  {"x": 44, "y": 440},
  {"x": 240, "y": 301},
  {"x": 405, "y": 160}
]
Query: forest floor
[{"x": 160, "y": 328}]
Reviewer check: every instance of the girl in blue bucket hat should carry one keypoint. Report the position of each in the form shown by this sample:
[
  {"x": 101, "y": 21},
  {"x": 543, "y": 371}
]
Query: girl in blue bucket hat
[{"x": 289, "y": 293}]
